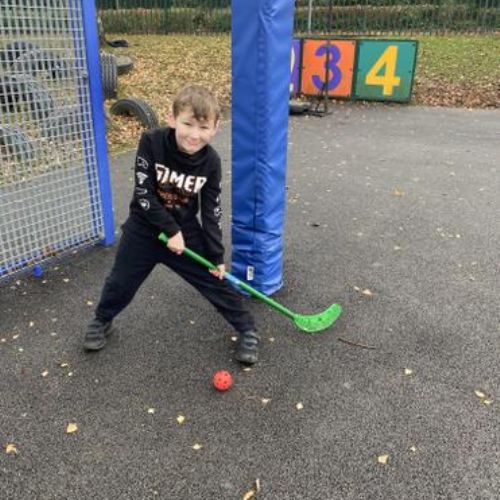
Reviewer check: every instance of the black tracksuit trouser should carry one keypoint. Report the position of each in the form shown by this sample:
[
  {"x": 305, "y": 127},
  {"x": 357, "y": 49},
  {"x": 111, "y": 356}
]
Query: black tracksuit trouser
[{"x": 136, "y": 257}]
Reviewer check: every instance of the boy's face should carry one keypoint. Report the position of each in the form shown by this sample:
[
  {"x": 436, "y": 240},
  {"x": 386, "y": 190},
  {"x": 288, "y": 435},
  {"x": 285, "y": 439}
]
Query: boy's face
[{"x": 191, "y": 134}]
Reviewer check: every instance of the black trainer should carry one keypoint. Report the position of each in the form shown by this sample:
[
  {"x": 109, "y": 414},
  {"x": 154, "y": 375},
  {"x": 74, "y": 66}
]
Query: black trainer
[
  {"x": 247, "y": 350},
  {"x": 96, "y": 334}
]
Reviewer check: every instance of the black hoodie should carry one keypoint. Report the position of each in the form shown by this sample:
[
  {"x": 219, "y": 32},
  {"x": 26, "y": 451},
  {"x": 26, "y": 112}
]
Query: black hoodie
[{"x": 170, "y": 187}]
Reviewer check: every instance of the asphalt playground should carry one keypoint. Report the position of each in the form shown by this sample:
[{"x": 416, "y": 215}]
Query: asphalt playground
[{"x": 392, "y": 212}]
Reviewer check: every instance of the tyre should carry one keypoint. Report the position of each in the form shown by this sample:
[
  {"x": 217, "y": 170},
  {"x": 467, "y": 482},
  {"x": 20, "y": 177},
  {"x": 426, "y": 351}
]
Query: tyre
[
  {"x": 109, "y": 75},
  {"x": 23, "y": 88},
  {"x": 15, "y": 49},
  {"x": 124, "y": 64},
  {"x": 17, "y": 143},
  {"x": 298, "y": 107},
  {"x": 63, "y": 125},
  {"x": 117, "y": 43},
  {"x": 138, "y": 108},
  {"x": 38, "y": 60}
]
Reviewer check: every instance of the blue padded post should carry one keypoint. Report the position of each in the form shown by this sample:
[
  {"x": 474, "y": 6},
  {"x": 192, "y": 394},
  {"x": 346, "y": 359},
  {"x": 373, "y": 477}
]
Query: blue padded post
[{"x": 261, "y": 46}]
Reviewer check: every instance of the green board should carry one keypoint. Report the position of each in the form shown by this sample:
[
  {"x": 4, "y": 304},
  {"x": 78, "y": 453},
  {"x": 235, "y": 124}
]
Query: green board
[{"x": 385, "y": 70}]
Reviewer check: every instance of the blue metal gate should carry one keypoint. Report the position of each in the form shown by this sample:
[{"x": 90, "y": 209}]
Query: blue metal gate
[{"x": 54, "y": 184}]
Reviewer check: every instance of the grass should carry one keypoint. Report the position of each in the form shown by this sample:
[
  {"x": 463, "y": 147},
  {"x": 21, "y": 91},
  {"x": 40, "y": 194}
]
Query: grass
[{"x": 475, "y": 59}]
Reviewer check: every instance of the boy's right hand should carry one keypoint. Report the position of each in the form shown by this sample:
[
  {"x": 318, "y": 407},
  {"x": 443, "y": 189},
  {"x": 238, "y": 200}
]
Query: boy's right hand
[{"x": 176, "y": 243}]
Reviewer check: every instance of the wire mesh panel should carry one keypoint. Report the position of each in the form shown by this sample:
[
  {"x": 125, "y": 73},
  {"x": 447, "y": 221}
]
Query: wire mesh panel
[{"x": 50, "y": 196}]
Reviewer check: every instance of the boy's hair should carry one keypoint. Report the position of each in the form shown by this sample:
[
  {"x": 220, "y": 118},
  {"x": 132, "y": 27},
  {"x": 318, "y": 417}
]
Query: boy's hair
[{"x": 199, "y": 100}]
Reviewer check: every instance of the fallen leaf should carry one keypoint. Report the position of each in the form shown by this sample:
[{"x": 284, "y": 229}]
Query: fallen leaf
[
  {"x": 11, "y": 448},
  {"x": 479, "y": 394},
  {"x": 271, "y": 339},
  {"x": 31, "y": 324},
  {"x": 66, "y": 280},
  {"x": 64, "y": 365},
  {"x": 151, "y": 411},
  {"x": 299, "y": 406},
  {"x": 45, "y": 373},
  {"x": 14, "y": 337},
  {"x": 398, "y": 192},
  {"x": 90, "y": 303},
  {"x": 257, "y": 485},
  {"x": 413, "y": 448},
  {"x": 247, "y": 369},
  {"x": 383, "y": 459},
  {"x": 248, "y": 495},
  {"x": 71, "y": 427},
  {"x": 357, "y": 288},
  {"x": 487, "y": 402},
  {"x": 265, "y": 401},
  {"x": 408, "y": 371},
  {"x": 180, "y": 419},
  {"x": 197, "y": 446},
  {"x": 367, "y": 292},
  {"x": 396, "y": 247}
]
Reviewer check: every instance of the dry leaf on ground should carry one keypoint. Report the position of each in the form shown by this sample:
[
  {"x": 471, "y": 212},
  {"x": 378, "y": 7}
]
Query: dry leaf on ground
[
  {"x": 71, "y": 428},
  {"x": 11, "y": 448}
]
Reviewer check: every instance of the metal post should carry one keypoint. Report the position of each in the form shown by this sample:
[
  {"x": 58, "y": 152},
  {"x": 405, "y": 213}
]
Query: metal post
[
  {"x": 99, "y": 122},
  {"x": 309, "y": 17}
]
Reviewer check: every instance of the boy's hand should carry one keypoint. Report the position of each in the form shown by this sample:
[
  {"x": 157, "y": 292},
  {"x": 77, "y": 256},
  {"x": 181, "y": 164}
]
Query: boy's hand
[
  {"x": 219, "y": 273},
  {"x": 176, "y": 243}
]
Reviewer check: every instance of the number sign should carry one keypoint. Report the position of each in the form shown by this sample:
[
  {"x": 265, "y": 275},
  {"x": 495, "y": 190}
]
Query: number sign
[
  {"x": 328, "y": 65},
  {"x": 385, "y": 70}
]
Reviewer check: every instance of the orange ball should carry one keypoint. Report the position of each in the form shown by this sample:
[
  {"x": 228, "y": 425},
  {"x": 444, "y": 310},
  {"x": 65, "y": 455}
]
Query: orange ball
[{"x": 222, "y": 380}]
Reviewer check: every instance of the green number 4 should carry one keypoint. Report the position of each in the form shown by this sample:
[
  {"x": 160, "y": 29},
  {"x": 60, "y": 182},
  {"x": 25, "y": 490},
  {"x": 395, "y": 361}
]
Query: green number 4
[{"x": 388, "y": 79}]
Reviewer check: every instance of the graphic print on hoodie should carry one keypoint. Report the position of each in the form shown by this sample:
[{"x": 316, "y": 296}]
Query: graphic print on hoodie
[{"x": 171, "y": 187}]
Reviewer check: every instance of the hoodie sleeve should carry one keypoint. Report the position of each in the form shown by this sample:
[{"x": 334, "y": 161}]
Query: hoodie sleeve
[
  {"x": 145, "y": 190},
  {"x": 211, "y": 213}
]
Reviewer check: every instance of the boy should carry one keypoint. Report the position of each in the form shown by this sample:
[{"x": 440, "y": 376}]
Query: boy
[{"x": 177, "y": 176}]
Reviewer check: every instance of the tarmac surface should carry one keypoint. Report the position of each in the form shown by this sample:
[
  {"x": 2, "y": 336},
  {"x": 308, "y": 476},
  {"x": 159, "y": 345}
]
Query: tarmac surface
[{"x": 393, "y": 212}]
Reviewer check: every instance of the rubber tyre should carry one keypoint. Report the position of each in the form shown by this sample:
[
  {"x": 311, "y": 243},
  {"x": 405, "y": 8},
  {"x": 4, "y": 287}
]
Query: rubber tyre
[
  {"x": 124, "y": 64},
  {"x": 117, "y": 43},
  {"x": 15, "y": 49},
  {"x": 298, "y": 107},
  {"x": 24, "y": 88},
  {"x": 137, "y": 108},
  {"x": 16, "y": 141},
  {"x": 64, "y": 125},
  {"x": 38, "y": 60},
  {"x": 109, "y": 74}
]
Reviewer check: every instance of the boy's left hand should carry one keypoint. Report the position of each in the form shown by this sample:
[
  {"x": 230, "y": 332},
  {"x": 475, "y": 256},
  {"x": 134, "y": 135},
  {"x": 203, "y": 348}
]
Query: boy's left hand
[{"x": 219, "y": 272}]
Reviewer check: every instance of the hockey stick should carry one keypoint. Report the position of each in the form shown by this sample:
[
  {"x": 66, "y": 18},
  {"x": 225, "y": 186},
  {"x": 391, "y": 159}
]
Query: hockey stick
[{"x": 311, "y": 323}]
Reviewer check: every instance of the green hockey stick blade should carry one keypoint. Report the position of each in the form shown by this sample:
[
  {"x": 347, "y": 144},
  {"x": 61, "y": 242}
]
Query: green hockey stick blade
[{"x": 318, "y": 322}]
